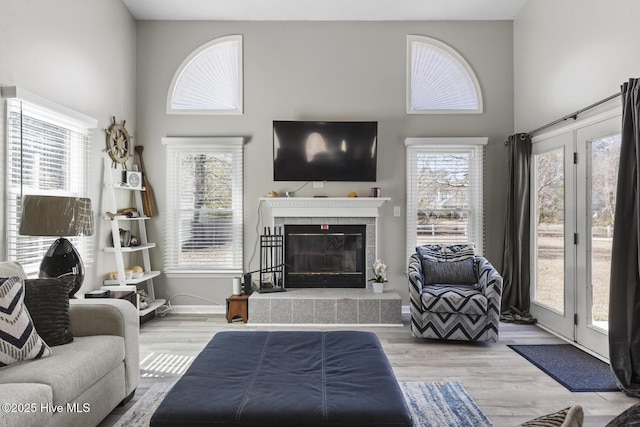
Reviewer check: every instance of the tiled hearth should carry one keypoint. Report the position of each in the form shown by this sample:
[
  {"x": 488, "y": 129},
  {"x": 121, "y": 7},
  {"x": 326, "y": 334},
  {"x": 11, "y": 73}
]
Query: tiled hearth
[{"x": 326, "y": 306}]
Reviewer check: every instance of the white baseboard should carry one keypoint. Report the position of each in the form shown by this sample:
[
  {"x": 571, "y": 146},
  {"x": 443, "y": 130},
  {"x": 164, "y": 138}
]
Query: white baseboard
[{"x": 198, "y": 309}]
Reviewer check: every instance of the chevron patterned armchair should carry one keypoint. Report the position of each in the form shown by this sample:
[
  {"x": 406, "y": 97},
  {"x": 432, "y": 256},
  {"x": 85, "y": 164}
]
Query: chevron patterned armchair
[{"x": 455, "y": 294}]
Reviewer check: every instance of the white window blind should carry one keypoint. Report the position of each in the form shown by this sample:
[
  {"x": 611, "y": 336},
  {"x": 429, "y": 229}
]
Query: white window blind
[
  {"x": 444, "y": 191},
  {"x": 209, "y": 80},
  {"x": 439, "y": 80},
  {"x": 48, "y": 149},
  {"x": 204, "y": 205}
]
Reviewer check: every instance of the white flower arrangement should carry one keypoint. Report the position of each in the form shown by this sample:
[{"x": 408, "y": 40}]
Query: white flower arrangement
[{"x": 379, "y": 271}]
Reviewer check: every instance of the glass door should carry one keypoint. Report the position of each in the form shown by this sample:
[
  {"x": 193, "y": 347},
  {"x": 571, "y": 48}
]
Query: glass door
[
  {"x": 574, "y": 177},
  {"x": 552, "y": 225},
  {"x": 599, "y": 146}
]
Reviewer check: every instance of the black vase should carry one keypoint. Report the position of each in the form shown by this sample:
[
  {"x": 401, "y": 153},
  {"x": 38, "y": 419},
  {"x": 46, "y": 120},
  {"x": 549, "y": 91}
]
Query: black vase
[{"x": 62, "y": 258}]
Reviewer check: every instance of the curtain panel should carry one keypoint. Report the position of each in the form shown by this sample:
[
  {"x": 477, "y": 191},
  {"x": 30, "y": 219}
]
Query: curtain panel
[
  {"x": 516, "y": 256},
  {"x": 624, "y": 297}
]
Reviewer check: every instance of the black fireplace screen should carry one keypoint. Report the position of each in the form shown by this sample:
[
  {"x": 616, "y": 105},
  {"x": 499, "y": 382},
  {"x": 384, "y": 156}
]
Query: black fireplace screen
[{"x": 325, "y": 256}]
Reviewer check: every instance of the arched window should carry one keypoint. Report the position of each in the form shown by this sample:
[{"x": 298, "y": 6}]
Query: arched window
[
  {"x": 439, "y": 80},
  {"x": 209, "y": 80}
]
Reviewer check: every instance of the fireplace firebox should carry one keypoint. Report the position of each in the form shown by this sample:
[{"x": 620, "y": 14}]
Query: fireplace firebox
[{"x": 325, "y": 256}]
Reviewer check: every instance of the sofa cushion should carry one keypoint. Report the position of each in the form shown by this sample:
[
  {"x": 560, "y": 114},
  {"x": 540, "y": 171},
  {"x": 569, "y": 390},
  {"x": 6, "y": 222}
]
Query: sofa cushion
[
  {"x": 12, "y": 268},
  {"x": 454, "y": 299},
  {"x": 19, "y": 340},
  {"x": 48, "y": 303},
  {"x": 27, "y": 397},
  {"x": 445, "y": 253},
  {"x": 72, "y": 368},
  {"x": 454, "y": 273}
]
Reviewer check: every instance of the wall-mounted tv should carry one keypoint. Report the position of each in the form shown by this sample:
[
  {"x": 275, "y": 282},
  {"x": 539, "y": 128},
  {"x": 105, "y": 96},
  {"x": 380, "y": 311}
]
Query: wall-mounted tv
[{"x": 324, "y": 151}]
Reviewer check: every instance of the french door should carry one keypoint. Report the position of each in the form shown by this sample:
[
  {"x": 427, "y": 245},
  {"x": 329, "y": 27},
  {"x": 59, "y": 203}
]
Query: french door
[{"x": 574, "y": 178}]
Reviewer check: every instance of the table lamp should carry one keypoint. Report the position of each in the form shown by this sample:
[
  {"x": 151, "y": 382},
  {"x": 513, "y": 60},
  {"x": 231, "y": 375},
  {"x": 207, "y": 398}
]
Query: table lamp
[{"x": 61, "y": 217}]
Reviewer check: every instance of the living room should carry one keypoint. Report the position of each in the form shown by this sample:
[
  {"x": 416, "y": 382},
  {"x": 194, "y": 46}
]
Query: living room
[{"x": 540, "y": 64}]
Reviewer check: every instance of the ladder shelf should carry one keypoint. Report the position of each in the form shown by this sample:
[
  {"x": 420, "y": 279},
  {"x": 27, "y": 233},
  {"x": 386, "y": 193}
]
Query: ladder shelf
[{"x": 136, "y": 221}]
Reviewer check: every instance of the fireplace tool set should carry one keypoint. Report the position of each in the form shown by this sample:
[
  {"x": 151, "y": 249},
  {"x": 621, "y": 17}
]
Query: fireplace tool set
[{"x": 272, "y": 260}]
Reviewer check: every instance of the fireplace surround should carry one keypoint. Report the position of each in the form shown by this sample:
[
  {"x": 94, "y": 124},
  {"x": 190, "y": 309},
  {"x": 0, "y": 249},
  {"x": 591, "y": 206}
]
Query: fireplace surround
[
  {"x": 357, "y": 306},
  {"x": 330, "y": 211}
]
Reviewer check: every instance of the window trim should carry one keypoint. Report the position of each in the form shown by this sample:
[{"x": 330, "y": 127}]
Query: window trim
[
  {"x": 184, "y": 66},
  {"x": 415, "y": 146},
  {"x": 194, "y": 143},
  {"x": 456, "y": 56}
]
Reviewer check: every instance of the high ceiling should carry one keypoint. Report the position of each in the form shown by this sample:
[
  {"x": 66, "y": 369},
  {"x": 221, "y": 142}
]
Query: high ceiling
[{"x": 325, "y": 10}]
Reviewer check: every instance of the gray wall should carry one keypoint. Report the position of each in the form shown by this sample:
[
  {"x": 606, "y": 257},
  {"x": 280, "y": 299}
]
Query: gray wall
[
  {"x": 80, "y": 54},
  {"x": 555, "y": 58},
  {"x": 571, "y": 53},
  {"x": 325, "y": 71}
]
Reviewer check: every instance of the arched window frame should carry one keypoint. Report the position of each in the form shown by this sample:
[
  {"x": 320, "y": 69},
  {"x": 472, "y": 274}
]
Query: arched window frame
[
  {"x": 453, "y": 54},
  {"x": 189, "y": 60}
]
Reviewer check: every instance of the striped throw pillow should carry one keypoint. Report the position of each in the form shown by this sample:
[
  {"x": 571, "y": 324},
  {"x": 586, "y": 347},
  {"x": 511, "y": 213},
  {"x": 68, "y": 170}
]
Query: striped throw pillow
[
  {"x": 572, "y": 416},
  {"x": 446, "y": 253},
  {"x": 19, "y": 340}
]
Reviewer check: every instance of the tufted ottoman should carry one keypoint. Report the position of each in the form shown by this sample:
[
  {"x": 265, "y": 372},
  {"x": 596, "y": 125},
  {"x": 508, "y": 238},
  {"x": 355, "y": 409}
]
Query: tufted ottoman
[{"x": 297, "y": 378}]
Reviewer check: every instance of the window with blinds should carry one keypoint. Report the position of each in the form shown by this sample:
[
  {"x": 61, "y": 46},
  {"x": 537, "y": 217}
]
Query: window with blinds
[
  {"x": 204, "y": 205},
  {"x": 439, "y": 80},
  {"x": 444, "y": 191},
  {"x": 47, "y": 154}
]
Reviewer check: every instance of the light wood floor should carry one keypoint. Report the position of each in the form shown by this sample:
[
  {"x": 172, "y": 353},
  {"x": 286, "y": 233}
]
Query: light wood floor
[{"x": 508, "y": 388}]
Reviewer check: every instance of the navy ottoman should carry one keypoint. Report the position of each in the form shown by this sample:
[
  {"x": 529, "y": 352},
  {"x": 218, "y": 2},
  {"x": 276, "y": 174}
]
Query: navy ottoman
[{"x": 298, "y": 378}]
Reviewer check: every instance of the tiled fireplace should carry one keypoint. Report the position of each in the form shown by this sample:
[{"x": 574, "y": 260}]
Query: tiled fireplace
[
  {"x": 319, "y": 211},
  {"x": 330, "y": 301}
]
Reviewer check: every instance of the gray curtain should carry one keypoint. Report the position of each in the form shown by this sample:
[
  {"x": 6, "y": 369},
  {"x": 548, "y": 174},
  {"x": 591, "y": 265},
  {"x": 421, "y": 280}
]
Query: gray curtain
[
  {"x": 515, "y": 260},
  {"x": 624, "y": 294}
]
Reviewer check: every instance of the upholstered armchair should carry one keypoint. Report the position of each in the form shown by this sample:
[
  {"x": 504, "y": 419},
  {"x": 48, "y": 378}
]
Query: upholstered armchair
[{"x": 455, "y": 294}]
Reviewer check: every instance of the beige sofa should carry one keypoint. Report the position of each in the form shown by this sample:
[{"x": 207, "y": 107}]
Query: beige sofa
[{"x": 81, "y": 382}]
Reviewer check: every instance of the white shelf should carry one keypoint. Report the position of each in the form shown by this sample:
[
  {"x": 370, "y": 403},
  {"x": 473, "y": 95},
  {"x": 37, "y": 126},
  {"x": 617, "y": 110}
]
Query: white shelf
[
  {"x": 365, "y": 207},
  {"x": 154, "y": 305},
  {"x": 132, "y": 248},
  {"x": 123, "y": 186},
  {"x": 127, "y": 218},
  {"x": 117, "y": 287},
  {"x": 146, "y": 276}
]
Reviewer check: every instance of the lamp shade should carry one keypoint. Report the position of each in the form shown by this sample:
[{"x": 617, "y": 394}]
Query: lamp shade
[{"x": 56, "y": 216}]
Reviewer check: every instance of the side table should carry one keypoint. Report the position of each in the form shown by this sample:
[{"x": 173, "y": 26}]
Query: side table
[
  {"x": 132, "y": 297},
  {"x": 238, "y": 306}
]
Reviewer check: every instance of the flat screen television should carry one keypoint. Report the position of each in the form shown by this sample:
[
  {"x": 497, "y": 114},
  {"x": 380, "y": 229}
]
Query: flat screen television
[{"x": 324, "y": 151}]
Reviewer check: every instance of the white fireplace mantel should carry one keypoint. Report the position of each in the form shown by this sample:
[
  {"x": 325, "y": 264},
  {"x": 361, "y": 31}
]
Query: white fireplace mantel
[{"x": 340, "y": 207}]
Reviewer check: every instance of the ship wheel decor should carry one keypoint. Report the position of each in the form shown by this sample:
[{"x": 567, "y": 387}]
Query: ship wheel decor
[{"x": 118, "y": 143}]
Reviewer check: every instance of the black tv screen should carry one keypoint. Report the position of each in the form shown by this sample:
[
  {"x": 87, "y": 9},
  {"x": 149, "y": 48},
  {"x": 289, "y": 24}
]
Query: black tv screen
[{"x": 324, "y": 151}]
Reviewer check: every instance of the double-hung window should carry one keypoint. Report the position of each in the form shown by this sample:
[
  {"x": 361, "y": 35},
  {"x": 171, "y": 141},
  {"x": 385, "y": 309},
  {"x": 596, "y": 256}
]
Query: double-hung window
[
  {"x": 47, "y": 153},
  {"x": 204, "y": 205},
  {"x": 444, "y": 191}
]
